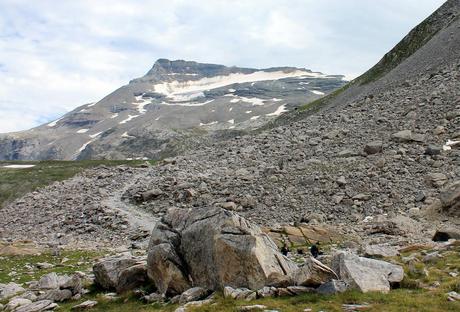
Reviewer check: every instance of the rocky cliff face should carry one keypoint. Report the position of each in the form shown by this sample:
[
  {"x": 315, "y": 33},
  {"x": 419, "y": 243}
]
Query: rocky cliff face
[{"x": 174, "y": 106}]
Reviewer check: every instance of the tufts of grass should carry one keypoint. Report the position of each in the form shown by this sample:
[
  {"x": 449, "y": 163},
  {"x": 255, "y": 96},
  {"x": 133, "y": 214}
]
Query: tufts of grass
[{"x": 22, "y": 268}]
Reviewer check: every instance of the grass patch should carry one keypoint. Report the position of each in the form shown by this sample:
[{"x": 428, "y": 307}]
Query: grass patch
[
  {"x": 22, "y": 268},
  {"x": 15, "y": 183}
]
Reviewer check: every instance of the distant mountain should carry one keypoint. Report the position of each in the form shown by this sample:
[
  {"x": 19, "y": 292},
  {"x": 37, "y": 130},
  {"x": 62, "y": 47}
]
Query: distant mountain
[{"x": 175, "y": 105}]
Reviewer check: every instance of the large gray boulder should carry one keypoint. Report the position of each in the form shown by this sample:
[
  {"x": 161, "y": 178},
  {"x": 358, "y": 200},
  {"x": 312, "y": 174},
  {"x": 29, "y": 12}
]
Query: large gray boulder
[
  {"x": 366, "y": 274},
  {"x": 121, "y": 273},
  {"x": 213, "y": 248}
]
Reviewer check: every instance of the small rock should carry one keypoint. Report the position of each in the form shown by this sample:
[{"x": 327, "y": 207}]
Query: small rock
[
  {"x": 15, "y": 303},
  {"x": 193, "y": 294},
  {"x": 402, "y": 136},
  {"x": 374, "y": 147},
  {"x": 153, "y": 297},
  {"x": 56, "y": 295},
  {"x": 332, "y": 287},
  {"x": 453, "y": 296},
  {"x": 433, "y": 150},
  {"x": 381, "y": 251},
  {"x": 341, "y": 181},
  {"x": 44, "y": 265},
  {"x": 38, "y": 306},
  {"x": 85, "y": 305},
  {"x": 10, "y": 290},
  {"x": 436, "y": 179},
  {"x": 252, "y": 307},
  {"x": 230, "y": 206}
]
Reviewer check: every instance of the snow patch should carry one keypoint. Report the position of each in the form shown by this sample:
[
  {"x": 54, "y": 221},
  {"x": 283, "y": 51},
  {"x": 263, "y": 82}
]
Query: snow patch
[
  {"x": 317, "y": 92},
  {"x": 191, "y": 104},
  {"x": 231, "y": 90},
  {"x": 208, "y": 124},
  {"x": 91, "y": 104},
  {"x": 52, "y": 124},
  {"x": 126, "y": 135},
  {"x": 130, "y": 117},
  {"x": 232, "y": 121},
  {"x": 234, "y": 100},
  {"x": 248, "y": 112},
  {"x": 95, "y": 135},
  {"x": 254, "y": 117},
  {"x": 276, "y": 100},
  {"x": 114, "y": 116},
  {"x": 176, "y": 90},
  {"x": 230, "y": 109},
  {"x": 279, "y": 111},
  {"x": 18, "y": 166},
  {"x": 82, "y": 130}
]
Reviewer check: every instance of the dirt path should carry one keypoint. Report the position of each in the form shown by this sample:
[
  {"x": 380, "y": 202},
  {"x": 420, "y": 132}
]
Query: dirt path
[{"x": 137, "y": 218}]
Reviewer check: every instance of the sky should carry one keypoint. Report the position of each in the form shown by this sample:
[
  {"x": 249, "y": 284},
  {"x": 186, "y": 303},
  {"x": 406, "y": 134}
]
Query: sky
[{"x": 58, "y": 55}]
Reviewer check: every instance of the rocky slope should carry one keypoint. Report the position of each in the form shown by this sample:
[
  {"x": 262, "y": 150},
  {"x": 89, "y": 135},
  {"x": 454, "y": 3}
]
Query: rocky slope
[
  {"x": 175, "y": 105},
  {"x": 383, "y": 166}
]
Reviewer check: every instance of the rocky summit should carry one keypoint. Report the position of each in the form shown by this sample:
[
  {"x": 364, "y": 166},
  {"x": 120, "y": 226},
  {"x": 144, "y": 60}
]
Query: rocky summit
[
  {"x": 356, "y": 193},
  {"x": 173, "y": 107}
]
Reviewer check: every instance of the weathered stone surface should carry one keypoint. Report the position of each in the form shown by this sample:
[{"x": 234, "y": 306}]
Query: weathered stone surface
[
  {"x": 56, "y": 295},
  {"x": 15, "y": 303},
  {"x": 366, "y": 274},
  {"x": 132, "y": 277},
  {"x": 239, "y": 293},
  {"x": 10, "y": 290},
  {"x": 84, "y": 305},
  {"x": 450, "y": 199},
  {"x": 193, "y": 294},
  {"x": 166, "y": 269},
  {"x": 121, "y": 273},
  {"x": 38, "y": 306},
  {"x": 380, "y": 251},
  {"x": 373, "y": 147},
  {"x": 332, "y": 287},
  {"x": 402, "y": 136},
  {"x": 218, "y": 248},
  {"x": 313, "y": 273}
]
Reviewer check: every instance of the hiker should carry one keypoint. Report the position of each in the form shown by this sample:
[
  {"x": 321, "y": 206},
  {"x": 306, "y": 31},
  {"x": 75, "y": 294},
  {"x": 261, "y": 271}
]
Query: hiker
[
  {"x": 315, "y": 250},
  {"x": 284, "y": 250}
]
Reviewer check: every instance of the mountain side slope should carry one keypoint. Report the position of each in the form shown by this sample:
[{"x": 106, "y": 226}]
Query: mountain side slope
[
  {"x": 174, "y": 106},
  {"x": 430, "y": 45}
]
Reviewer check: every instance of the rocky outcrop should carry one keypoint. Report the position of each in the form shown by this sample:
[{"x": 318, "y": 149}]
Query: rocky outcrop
[
  {"x": 213, "y": 248},
  {"x": 366, "y": 274}
]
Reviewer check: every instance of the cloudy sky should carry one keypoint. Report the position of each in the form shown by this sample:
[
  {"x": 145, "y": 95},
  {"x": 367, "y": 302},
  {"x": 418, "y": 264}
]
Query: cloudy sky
[{"x": 57, "y": 55}]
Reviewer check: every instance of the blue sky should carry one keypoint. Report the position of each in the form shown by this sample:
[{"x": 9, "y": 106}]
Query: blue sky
[{"x": 57, "y": 55}]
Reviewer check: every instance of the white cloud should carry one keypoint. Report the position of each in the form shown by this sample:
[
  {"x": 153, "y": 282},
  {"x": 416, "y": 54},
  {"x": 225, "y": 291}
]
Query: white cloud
[{"x": 57, "y": 55}]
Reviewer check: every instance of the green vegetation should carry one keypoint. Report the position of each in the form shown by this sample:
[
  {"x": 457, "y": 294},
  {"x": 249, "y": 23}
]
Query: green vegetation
[
  {"x": 22, "y": 268},
  {"x": 409, "y": 297},
  {"x": 17, "y": 182}
]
